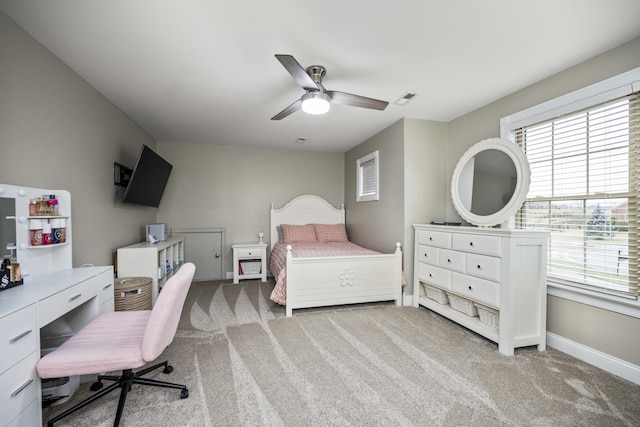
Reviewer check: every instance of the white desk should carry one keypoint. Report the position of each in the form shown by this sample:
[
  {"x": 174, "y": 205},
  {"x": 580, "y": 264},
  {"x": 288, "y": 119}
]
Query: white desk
[{"x": 43, "y": 312}]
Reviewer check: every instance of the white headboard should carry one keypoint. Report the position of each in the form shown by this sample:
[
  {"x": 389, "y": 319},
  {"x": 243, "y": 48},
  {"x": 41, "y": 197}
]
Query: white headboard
[{"x": 305, "y": 209}]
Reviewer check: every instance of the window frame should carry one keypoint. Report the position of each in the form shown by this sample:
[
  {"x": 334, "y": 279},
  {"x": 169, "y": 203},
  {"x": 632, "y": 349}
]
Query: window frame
[
  {"x": 612, "y": 88},
  {"x": 361, "y": 196}
]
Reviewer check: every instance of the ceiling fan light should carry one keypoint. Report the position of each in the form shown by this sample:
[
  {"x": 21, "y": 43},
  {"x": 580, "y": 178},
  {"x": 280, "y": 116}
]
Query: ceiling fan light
[{"x": 315, "y": 103}]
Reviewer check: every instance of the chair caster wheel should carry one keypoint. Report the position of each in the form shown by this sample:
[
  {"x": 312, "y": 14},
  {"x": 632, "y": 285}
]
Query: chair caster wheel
[
  {"x": 184, "y": 393},
  {"x": 168, "y": 369},
  {"x": 96, "y": 386}
]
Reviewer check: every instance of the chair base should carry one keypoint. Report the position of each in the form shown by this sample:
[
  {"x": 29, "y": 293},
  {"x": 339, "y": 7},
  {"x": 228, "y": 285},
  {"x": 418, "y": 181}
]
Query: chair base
[{"x": 124, "y": 382}]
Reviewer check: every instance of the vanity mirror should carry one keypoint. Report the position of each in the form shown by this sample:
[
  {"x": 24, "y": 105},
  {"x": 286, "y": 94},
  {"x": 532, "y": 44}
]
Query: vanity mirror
[{"x": 490, "y": 182}]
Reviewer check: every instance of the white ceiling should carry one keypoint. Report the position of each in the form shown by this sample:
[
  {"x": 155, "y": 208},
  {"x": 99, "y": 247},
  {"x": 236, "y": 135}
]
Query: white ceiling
[{"x": 204, "y": 71}]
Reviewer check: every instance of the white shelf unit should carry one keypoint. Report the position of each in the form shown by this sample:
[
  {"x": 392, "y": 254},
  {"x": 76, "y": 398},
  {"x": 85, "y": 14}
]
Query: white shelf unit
[
  {"x": 149, "y": 260},
  {"x": 501, "y": 271}
]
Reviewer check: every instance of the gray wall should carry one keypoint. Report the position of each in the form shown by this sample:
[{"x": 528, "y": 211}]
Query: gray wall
[
  {"x": 232, "y": 187},
  {"x": 412, "y": 157},
  {"x": 599, "y": 329},
  {"x": 57, "y": 132}
]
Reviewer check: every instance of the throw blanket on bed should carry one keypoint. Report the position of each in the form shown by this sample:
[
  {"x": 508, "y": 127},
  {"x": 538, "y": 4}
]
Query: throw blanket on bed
[{"x": 278, "y": 261}]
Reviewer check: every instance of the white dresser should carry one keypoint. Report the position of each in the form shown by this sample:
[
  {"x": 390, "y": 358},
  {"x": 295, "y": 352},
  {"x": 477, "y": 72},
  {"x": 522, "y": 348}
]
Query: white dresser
[{"x": 500, "y": 273}]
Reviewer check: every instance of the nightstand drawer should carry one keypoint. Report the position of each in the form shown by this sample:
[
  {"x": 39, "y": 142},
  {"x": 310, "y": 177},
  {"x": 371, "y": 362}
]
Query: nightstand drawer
[{"x": 249, "y": 253}]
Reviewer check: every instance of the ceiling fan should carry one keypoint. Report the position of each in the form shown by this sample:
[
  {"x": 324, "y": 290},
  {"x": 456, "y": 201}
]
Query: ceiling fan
[{"x": 317, "y": 99}]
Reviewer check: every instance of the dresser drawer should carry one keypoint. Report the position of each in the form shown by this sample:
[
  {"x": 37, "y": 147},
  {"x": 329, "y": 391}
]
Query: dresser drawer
[
  {"x": 105, "y": 290},
  {"x": 440, "y": 239},
  {"x": 487, "y": 267},
  {"x": 66, "y": 300},
  {"x": 428, "y": 254},
  {"x": 19, "y": 387},
  {"x": 477, "y": 289},
  {"x": 18, "y": 336},
  {"x": 434, "y": 275},
  {"x": 451, "y": 260},
  {"x": 488, "y": 245}
]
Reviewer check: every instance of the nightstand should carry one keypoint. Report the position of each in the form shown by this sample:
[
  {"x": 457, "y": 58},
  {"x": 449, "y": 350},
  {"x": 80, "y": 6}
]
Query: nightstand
[{"x": 249, "y": 261}]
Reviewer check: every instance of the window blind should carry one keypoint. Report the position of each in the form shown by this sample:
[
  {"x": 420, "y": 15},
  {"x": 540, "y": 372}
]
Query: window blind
[
  {"x": 585, "y": 182},
  {"x": 369, "y": 177}
]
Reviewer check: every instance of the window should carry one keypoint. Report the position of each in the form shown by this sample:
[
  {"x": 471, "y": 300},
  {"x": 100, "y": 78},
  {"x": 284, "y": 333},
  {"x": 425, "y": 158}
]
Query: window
[
  {"x": 585, "y": 183},
  {"x": 367, "y": 170}
]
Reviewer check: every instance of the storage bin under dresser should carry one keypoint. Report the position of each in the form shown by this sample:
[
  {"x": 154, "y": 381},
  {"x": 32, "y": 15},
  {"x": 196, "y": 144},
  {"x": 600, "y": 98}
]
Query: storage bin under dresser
[{"x": 501, "y": 271}]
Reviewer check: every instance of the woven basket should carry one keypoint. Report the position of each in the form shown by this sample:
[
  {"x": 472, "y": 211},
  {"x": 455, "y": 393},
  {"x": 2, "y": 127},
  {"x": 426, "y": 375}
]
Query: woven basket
[
  {"x": 488, "y": 316},
  {"x": 251, "y": 267},
  {"x": 132, "y": 293},
  {"x": 463, "y": 305},
  {"x": 435, "y": 294}
]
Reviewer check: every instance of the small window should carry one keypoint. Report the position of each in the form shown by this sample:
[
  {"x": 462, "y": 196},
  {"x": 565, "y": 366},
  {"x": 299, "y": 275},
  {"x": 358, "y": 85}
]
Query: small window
[{"x": 368, "y": 185}]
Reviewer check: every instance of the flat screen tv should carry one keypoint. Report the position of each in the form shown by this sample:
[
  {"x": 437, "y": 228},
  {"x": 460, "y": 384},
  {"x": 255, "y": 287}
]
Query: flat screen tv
[{"x": 148, "y": 179}]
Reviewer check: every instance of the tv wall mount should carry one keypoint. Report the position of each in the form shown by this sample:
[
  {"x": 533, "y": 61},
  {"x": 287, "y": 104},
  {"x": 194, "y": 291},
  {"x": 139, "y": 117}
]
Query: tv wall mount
[{"x": 121, "y": 175}]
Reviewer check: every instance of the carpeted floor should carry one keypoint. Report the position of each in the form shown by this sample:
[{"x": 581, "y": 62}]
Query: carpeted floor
[{"x": 376, "y": 365}]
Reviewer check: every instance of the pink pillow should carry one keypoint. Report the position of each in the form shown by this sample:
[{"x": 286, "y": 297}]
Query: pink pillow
[
  {"x": 330, "y": 233},
  {"x": 298, "y": 233}
]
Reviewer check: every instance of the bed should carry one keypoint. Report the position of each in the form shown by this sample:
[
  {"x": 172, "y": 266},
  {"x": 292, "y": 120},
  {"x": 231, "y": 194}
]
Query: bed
[{"x": 312, "y": 274}]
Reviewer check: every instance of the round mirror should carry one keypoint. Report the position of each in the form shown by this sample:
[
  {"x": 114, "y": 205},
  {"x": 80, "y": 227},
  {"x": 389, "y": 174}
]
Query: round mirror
[{"x": 490, "y": 182}]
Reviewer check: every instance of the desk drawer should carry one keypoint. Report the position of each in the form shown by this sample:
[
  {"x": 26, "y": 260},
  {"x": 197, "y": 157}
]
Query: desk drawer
[
  {"x": 66, "y": 300},
  {"x": 440, "y": 239},
  {"x": 19, "y": 387},
  {"x": 488, "y": 245},
  {"x": 434, "y": 275},
  {"x": 476, "y": 289},
  {"x": 18, "y": 336},
  {"x": 428, "y": 254}
]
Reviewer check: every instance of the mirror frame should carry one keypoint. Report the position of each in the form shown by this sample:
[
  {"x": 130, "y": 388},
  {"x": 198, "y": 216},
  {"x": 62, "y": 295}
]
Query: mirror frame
[{"x": 523, "y": 180}]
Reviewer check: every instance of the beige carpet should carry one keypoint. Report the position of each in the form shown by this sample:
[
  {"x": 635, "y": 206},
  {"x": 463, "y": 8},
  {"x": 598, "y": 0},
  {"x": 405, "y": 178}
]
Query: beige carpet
[{"x": 379, "y": 365}]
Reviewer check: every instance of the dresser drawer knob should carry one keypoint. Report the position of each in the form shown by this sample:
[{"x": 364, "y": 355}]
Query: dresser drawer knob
[
  {"x": 470, "y": 287},
  {"x": 426, "y": 255},
  {"x": 431, "y": 239},
  {"x": 75, "y": 297},
  {"x": 471, "y": 244},
  {"x": 22, "y": 335},
  {"x": 105, "y": 287},
  {"x": 430, "y": 275},
  {"x": 449, "y": 260},
  {"x": 479, "y": 267}
]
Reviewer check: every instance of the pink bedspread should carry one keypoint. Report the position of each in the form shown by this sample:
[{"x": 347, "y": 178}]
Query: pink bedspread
[{"x": 278, "y": 261}]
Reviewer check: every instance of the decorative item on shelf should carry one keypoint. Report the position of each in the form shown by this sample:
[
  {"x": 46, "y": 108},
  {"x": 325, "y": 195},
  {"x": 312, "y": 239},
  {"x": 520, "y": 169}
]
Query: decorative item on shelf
[
  {"x": 10, "y": 275},
  {"x": 261, "y": 237}
]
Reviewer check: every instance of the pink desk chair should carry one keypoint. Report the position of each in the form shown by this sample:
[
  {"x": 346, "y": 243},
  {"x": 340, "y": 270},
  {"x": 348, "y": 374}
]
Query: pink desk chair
[{"x": 122, "y": 340}]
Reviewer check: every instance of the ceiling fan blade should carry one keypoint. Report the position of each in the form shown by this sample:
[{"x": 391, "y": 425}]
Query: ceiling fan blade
[
  {"x": 297, "y": 72},
  {"x": 356, "y": 100},
  {"x": 289, "y": 110}
]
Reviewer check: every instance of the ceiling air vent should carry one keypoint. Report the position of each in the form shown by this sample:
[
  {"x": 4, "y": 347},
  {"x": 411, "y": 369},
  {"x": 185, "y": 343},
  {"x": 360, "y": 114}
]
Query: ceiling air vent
[{"x": 405, "y": 98}]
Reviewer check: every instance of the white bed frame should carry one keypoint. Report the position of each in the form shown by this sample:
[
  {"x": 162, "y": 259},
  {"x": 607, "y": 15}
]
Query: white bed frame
[{"x": 335, "y": 280}]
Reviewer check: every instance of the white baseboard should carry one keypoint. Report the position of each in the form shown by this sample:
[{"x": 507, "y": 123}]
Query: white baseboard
[
  {"x": 407, "y": 300},
  {"x": 595, "y": 357}
]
